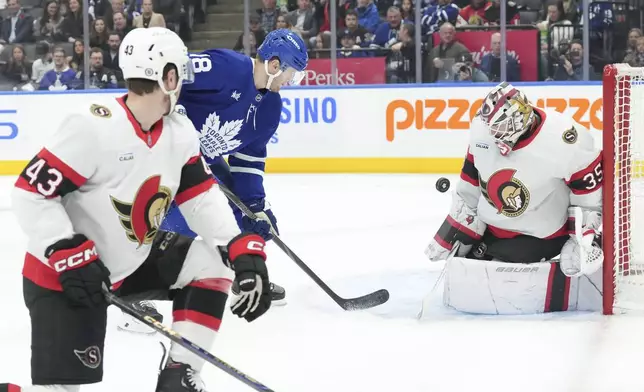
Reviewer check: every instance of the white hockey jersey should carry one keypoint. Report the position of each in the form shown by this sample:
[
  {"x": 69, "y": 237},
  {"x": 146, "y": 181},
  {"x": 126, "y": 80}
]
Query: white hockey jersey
[
  {"x": 529, "y": 190},
  {"x": 102, "y": 176}
]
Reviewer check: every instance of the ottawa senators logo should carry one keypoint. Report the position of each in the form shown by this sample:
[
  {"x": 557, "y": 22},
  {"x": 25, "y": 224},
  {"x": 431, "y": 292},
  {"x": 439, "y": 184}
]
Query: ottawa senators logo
[
  {"x": 142, "y": 218},
  {"x": 505, "y": 193}
]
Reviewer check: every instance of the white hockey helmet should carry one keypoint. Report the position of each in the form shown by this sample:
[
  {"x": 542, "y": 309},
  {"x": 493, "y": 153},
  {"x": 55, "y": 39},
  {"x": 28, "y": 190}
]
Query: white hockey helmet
[
  {"x": 144, "y": 53},
  {"x": 508, "y": 114}
]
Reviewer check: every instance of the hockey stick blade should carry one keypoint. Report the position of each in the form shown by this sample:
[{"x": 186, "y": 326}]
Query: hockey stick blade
[
  {"x": 365, "y": 302},
  {"x": 183, "y": 342}
]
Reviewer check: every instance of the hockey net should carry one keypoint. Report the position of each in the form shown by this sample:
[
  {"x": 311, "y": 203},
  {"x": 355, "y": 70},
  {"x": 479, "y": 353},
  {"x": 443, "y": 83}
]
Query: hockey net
[{"x": 623, "y": 145}]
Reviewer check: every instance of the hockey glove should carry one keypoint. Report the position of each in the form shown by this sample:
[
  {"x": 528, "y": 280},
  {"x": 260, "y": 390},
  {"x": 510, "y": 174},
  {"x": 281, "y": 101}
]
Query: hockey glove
[
  {"x": 265, "y": 222},
  {"x": 81, "y": 273},
  {"x": 582, "y": 253},
  {"x": 462, "y": 225},
  {"x": 247, "y": 258}
]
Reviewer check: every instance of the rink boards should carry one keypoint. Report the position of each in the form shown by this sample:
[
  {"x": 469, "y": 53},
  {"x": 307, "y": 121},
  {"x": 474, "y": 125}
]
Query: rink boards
[{"x": 351, "y": 129}]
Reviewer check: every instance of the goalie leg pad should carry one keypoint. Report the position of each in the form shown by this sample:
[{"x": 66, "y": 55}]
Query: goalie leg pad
[{"x": 493, "y": 287}]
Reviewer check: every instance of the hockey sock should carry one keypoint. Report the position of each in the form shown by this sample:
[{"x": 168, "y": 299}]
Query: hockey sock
[{"x": 197, "y": 312}]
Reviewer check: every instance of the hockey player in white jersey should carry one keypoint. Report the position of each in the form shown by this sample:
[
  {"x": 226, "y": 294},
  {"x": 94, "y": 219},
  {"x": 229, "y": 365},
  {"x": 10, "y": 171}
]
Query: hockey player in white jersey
[
  {"x": 527, "y": 171},
  {"x": 91, "y": 202}
]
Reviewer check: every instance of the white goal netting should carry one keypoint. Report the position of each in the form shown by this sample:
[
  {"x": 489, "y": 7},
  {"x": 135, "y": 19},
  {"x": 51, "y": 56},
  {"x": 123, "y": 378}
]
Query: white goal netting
[{"x": 626, "y": 210}]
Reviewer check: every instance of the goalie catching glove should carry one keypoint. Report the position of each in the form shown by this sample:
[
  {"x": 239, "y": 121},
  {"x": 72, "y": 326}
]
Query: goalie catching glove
[
  {"x": 582, "y": 253},
  {"x": 461, "y": 226},
  {"x": 247, "y": 258}
]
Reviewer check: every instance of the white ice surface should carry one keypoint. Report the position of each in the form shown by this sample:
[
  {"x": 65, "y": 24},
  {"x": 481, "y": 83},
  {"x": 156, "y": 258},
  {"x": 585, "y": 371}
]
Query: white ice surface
[{"x": 359, "y": 233}]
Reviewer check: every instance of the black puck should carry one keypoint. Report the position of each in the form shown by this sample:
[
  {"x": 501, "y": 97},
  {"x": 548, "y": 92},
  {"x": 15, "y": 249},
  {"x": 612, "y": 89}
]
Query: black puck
[{"x": 442, "y": 185}]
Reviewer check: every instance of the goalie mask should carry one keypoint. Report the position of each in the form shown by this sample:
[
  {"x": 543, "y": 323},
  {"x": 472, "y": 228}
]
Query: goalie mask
[{"x": 507, "y": 114}]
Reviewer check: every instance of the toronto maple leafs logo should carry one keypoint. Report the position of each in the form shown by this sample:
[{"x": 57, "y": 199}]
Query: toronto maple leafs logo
[{"x": 217, "y": 138}]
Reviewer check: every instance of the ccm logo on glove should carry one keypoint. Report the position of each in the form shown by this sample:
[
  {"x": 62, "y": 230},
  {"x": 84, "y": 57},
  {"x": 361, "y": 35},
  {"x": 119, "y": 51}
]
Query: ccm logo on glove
[
  {"x": 256, "y": 246},
  {"x": 72, "y": 258}
]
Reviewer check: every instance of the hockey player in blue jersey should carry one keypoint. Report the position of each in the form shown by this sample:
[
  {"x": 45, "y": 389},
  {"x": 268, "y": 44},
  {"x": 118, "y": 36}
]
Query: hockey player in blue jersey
[{"x": 235, "y": 104}]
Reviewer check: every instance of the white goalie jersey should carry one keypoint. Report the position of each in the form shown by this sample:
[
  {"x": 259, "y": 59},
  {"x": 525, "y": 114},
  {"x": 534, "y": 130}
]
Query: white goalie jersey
[{"x": 529, "y": 190}]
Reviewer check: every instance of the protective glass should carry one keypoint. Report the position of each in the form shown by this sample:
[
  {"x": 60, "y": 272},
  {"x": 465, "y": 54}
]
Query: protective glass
[{"x": 188, "y": 71}]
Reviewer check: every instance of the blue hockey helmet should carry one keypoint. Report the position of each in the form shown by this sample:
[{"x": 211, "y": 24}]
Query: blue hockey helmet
[{"x": 290, "y": 49}]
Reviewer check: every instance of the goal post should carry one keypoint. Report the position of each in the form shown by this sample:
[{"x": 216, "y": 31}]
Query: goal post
[{"x": 623, "y": 191}]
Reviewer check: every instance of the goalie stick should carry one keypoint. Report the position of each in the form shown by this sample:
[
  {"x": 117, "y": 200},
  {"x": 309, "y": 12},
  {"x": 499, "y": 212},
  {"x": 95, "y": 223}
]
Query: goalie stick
[
  {"x": 183, "y": 342},
  {"x": 365, "y": 302}
]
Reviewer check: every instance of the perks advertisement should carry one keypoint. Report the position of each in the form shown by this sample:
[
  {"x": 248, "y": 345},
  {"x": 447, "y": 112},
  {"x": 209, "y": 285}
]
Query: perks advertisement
[
  {"x": 521, "y": 44},
  {"x": 359, "y": 70}
]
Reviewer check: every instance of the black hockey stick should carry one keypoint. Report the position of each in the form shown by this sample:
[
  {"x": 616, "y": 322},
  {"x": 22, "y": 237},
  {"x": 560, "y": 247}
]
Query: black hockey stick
[
  {"x": 183, "y": 342},
  {"x": 365, "y": 302}
]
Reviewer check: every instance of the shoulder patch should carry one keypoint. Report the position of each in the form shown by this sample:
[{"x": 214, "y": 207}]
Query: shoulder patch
[
  {"x": 570, "y": 136},
  {"x": 100, "y": 111}
]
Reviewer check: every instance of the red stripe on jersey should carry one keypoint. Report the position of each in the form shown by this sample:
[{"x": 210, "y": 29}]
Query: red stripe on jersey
[
  {"x": 193, "y": 160},
  {"x": 65, "y": 169},
  {"x": 42, "y": 275},
  {"x": 197, "y": 317},
  {"x": 469, "y": 180},
  {"x": 587, "y": 180},
  {"x": 464, "y": 229},
  {"x": 14, "y": 388},
  {"x": 195, "y": 191},
  {"x": 214, "y": 284},
  {"x": 551, "y": 279},
  {"x": 43, "y": 176},
  {"x": 442, "y": 242},
  {"x": 503, "y": 233},
  {"x": 149, "y": 137}
]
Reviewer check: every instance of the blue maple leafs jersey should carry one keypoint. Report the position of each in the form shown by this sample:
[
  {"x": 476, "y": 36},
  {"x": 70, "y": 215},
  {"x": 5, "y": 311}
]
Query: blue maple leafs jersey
[{"x": 233, "y": 118}]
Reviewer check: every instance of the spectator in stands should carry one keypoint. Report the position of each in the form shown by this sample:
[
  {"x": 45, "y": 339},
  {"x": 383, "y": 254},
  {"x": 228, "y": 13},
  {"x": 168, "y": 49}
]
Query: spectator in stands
[
  {"x": 359, "y": 32},
  {"x": 491, "y": 63},
  {"x": 408, "y": 12},
  {"x": 115, "y": 6},
  {"x": 401, "y": 62},
  {"x": 636, "y": 58},
  {"x": 303, "y": 19},
  {"x": 443, "y": 56},
  {"x": 73, "y": 23},
  {"x": 348, "y": 46},
  {"x": 255, "y": 28},
  {"x": 134, "y": 9},
  {"x": 101, "y": 9},
  {"x": 465, "y": 71},
  {"x": 322, "y": 15},
  {"x": 99, "y": 76},
  {"x": 61, "y": 77},
  {"x": 555, "y": 24},
  {"x": 268, "y": 15},
  {"x": 77, "y": 59},
  {"x": 171, "y": 11},
  {"x": 252, "y": 44},
  {"x": 18, "y": 69},
  {"x": 98, "y": 35},
  {"x": 282, "y": 23},
  {"x": 442, "y": 12},
  {"x": 492, "y": 14},
  {"x": 119, "y": 20},
  {"x": 571, "y": 63},
  {"x": 148, "y": 17},
  {"x": 43, "y": 63},
  {"x": 368, "y": 16},
  {"x": 631, "y": 45},
  {"x": 17, "y": 28},
  {"x": 322, "y": 46},
  {"x": 570, "y": 9},
  {"x": 49, "y": 26},
  {"x": 111, "y": 55},
  {"x": 474, "y": 13},
  {"x": 387, "y": 33}
]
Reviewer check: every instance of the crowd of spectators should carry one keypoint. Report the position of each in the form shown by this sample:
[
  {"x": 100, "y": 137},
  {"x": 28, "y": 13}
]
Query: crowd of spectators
[
  {"x": 387, "y": 28},
  {"x": 42, "y": 43}
]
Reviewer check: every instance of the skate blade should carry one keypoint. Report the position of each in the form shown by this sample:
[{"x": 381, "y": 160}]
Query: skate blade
[{"x": 279, "y": 302}]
